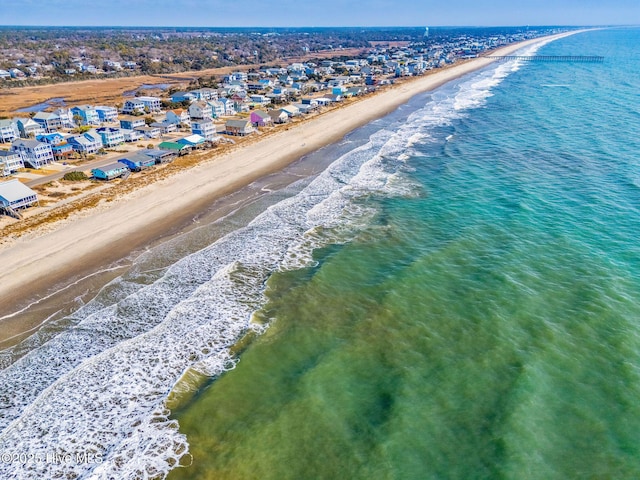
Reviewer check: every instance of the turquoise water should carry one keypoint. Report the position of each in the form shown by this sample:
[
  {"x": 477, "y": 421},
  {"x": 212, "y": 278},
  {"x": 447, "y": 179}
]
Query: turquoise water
[
  {"x": 484, "y": 321},
  {"x": 455, "y": 296}
]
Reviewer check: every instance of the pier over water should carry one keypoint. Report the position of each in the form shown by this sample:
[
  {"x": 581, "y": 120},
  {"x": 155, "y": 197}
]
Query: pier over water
[{"x": 551, "y": 58}]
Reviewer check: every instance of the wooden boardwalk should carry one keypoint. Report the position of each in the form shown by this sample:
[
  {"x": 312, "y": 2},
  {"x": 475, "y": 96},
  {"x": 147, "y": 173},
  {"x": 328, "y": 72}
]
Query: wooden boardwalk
[{"x": 551, "y": 58}]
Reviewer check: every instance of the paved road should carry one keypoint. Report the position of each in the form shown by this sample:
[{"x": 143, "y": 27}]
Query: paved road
[{"x": 100, "y": 162}]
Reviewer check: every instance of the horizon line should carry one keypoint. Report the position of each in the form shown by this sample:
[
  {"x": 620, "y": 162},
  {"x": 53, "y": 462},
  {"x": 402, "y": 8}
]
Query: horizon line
[{"x": 316, "y": 26}]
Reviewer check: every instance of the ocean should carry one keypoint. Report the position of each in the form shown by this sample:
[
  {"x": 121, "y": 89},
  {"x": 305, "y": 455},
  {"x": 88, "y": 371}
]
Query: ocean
[{"x": 456, "y": 295}]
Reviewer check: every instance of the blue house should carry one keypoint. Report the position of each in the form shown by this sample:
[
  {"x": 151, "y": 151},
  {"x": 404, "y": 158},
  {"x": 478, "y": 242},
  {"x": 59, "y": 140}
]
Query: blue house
[
  {"x": 183, "y": 96},
  {"x": 85, "y": 143},
  {"x": 10, "y": 162},
  {"x": 87, "y": 115},
  {"x": 48, "y": 120},
  {"x": 111, "y": 137},
  {"x": 131, "y": 122},
  {"x": 111, "y": 171},
  {"x": 28, "y": 128},
  {"x": 138, "y": 162},
  {"x": 134, "y": 105},
  {"x": 8, "y": 131},
  {"x": 107, "y": 114},
  {"x": 61, "y": 149}
]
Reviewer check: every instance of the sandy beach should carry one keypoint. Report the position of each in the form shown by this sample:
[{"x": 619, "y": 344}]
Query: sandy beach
[{"x": 81, "y": 244}]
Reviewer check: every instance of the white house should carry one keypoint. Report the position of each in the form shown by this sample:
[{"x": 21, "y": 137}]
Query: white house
[
  {"x": 111, "y": 137},
  {"x": 66, "y": 117},
  {"x": 48, "y": 120},
  {"x": 200, "y": 110},
  {"x": 134, "y": 105},
  {"x": 10, "y": 162},
  {"x": 205, "y": 94},
  {"x": 8, "y": 131},
  {"x": 178, "y": 116},
  {"x": 131, "y": 135},
  {"x": 15, "y": 194},
  {"x": 260, "y": 99},
  {"x": 151, "y": 104},
  {"x": 107, "y": 114},
  {"x": 28, "y": 127},
  {"x": 84, "y": 143},
  {"x": 33, "y": 152},
  {"x": 217, "y": 108},
  {"x": 205, "y": 128},
  {"x": 229, "y": 106}
]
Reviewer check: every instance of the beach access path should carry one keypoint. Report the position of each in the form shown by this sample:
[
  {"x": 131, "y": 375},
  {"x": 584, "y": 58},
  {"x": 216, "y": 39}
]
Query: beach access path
[{"x": 35, "y": 262}]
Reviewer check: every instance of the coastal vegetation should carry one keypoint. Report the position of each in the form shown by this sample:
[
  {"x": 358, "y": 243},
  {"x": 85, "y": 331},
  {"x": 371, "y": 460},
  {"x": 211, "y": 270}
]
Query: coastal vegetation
[{"x": 46, "y": 55}]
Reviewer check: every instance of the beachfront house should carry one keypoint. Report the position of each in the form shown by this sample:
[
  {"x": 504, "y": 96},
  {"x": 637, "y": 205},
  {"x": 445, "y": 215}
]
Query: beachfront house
[
  {"x": 205, "y": 128},
  {"x": 59, "y": 146},
  {"x": 160, "y": 155},
  {"x": 107, "y": 114},
  {"x": 355, "y": 91},
  {"x": 178, "y": 148},
  {"x": 34, "y": 153},
  {"x": 49, "y": 121},
  {"x": 111, "y": 171},
  {"x": 10, "y": 162},
  {"x": 304, "y": 109},
  {"x": 15, "y": 194},
  {"x": 239, "y": 127},
  {"x": 138, "y": 161},
  {"x": 111, "y": 137},
  {"x": 85, "y": 143},
  {"x": 199, "y": 110},
  {"x": 178, "y": 116},
  {"x": 260, "y": 118},
  {"x": 28, "y": 128},
  {"x": 85, "y": 115},
  {"x": 8, "y": 131},
  {"x": 279, "y": 116},
  {"x": 192, "y": 141},
  {"x": 291, "y": 110},
  {"x": 131, "y": 122}
]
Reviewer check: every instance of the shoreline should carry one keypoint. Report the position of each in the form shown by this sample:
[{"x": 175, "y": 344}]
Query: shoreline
[{"x": 87, "y": 241}]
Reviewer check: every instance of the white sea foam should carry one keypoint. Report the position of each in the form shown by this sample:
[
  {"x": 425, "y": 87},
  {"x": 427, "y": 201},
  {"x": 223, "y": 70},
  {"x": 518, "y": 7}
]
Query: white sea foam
[{"x": 99, "y": 388}]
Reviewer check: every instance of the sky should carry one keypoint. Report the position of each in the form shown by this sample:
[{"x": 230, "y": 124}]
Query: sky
[{"x": 301, "y": 13}]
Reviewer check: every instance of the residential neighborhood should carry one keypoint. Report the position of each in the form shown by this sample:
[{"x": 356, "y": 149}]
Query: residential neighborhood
[{"x": 208, "y": 111}]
